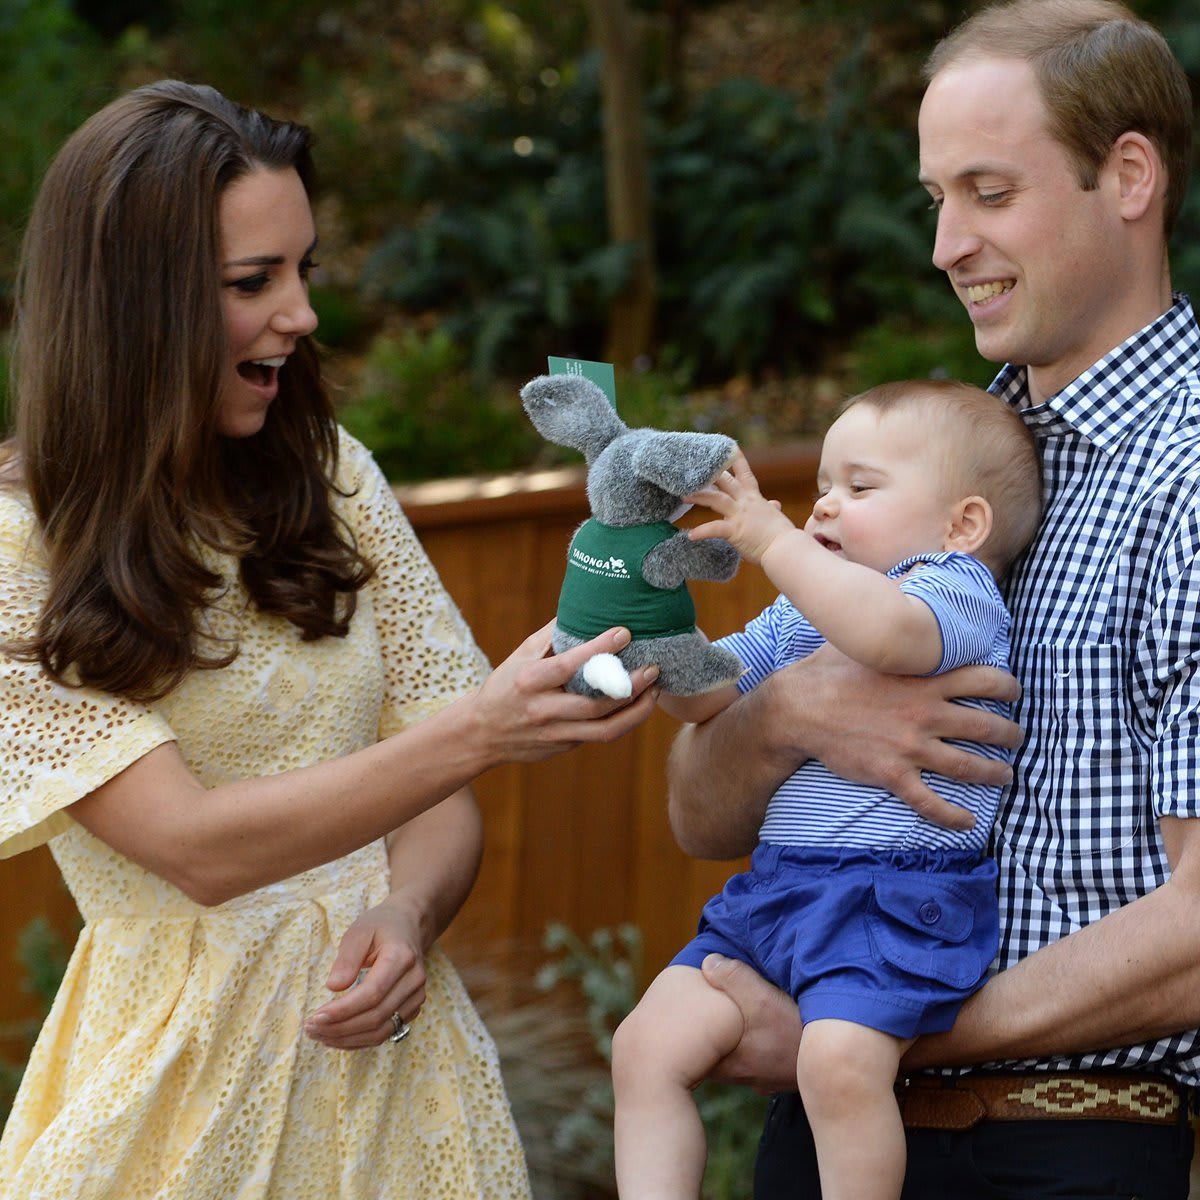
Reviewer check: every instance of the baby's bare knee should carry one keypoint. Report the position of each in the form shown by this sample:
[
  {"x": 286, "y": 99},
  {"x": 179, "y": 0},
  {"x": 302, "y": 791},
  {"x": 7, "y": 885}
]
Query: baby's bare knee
[{"x": 835, "y": 1076}]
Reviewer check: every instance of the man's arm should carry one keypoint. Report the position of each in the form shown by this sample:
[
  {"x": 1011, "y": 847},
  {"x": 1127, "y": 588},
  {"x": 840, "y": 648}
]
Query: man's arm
[
  {"x": 879, "y": 730},
  {"x": 1130, "y": 977}
]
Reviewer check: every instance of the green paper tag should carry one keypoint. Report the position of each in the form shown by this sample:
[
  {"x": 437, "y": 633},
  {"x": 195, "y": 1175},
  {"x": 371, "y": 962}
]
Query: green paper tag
[{"x": 601, "y": 374}]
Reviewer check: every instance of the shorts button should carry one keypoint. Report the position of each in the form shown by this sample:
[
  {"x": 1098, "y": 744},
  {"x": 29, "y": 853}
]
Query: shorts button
[{"x": 930, "y": 912}]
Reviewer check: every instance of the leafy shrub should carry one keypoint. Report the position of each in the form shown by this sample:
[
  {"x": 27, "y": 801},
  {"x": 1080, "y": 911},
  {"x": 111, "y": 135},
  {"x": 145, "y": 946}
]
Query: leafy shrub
[
  {"x": 899, "y": 350},
  {"x": 423, "y": 415},
  {"x": 510, "y": 250},
  {"x": 53, "y": 78},
  {"x": 776, "y": 229},
  {"x": 43, "y": 956}
]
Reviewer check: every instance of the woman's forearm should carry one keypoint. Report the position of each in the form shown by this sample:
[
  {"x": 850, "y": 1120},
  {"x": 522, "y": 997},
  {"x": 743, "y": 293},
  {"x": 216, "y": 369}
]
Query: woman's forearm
[
  {"x": 224, "y": 841},
  {"x": 217, "y": 843},
  {"x": 434, "y": 861}
]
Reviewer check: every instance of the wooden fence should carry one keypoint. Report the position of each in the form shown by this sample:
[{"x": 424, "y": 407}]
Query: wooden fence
[{"x": 582, "y": 839}]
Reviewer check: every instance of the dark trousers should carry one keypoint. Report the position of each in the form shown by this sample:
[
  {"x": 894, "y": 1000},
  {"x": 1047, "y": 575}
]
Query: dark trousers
[{"x": 997, "y": 1160}]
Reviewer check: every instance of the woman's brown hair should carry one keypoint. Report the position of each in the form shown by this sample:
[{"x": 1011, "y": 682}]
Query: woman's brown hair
[{"x": 120, "y": 348}]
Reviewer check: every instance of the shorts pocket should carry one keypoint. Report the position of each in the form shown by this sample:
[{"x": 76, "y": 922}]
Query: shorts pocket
[{"x": 933, "y": 928}]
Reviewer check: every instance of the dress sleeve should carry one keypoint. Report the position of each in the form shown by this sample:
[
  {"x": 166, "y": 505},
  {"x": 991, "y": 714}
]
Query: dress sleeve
[
  {"x": 57, "y": 744},
  {"x": 429, "y": 654}
]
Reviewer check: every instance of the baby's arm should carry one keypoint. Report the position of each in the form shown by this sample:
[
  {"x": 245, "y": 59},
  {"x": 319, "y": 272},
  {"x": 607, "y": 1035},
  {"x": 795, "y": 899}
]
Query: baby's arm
[
  {"x": 861, "y": 612},
  {"x": 695, "y": 709}
]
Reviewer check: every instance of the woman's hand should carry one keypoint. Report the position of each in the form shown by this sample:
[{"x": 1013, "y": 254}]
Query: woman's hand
[
  {"x": 383, "y": 951},
  {"x": 526, "y": 716}
]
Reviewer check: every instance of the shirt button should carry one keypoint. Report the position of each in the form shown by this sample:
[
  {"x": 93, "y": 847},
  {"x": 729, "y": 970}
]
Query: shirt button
[{"x": 930, "y": 912}]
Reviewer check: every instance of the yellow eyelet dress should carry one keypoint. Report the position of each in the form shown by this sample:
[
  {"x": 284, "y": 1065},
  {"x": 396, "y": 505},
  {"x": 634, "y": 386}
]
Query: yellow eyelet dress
[{"x": 173, "y": 1065}]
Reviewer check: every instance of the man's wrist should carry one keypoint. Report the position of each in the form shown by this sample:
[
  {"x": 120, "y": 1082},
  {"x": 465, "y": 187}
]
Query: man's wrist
[{"x": 781, "y": 706}]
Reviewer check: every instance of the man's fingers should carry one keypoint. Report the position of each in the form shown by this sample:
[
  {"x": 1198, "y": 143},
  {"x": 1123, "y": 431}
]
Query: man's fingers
[
  {"x": 928, "y": 804},
  {"x": 964, "y": 724},
  {"x": 734, "y": 978},
  {"x": 966, "y": 767},
  {"x": 983, "y": 683}
]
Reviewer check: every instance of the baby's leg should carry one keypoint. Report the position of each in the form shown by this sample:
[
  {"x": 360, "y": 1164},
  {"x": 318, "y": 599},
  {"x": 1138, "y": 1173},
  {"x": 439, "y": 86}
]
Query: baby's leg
[
  {"x": 678, "y": 1033},
  {"x": 846, "y": 1074}
]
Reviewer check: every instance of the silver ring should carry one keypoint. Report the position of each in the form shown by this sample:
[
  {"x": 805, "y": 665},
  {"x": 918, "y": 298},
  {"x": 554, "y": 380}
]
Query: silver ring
[{"x": 400, "y": 1027}]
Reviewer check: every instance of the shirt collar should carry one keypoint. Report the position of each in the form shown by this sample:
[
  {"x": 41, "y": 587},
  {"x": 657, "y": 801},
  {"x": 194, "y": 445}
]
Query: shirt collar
[{"x": 1108, "y": 401}]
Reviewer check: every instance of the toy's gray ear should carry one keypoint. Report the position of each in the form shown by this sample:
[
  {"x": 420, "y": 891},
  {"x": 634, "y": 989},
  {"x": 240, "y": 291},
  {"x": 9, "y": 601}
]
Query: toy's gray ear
[
  {"x": 680, "y": 463},
  {"x": 569, "y": 410}
]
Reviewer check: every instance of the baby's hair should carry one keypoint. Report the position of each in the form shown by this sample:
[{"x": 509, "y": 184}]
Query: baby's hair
[{"x": 986, "y": 450}]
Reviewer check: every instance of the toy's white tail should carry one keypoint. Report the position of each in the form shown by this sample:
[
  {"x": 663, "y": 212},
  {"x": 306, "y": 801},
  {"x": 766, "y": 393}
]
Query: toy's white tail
[{"x": 606, "y": 674}]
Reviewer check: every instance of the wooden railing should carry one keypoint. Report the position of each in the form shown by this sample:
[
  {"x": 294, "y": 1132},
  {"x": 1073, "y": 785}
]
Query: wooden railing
[{"x": 582, "y": 839}]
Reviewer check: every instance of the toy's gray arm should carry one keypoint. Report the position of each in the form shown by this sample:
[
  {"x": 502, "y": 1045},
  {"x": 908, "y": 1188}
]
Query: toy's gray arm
[{"x": 679, "y": 558}]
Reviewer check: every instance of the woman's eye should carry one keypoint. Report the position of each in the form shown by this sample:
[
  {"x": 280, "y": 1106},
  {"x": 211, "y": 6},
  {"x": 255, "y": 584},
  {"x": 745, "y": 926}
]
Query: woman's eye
[
  {"x": 307, "y": 267},
  {"x": 251, "y": 285},
  {"x": 992, "y": 197}
]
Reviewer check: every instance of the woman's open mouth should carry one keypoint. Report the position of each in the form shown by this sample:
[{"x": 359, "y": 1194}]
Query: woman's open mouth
[{"x": 262, "y": 374}]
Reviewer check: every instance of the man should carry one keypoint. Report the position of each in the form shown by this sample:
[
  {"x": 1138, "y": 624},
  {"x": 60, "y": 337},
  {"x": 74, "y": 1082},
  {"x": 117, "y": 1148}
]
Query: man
[{"x": 1055, "y": 142}]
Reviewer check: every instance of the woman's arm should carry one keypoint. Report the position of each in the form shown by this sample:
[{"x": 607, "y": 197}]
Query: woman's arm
[
  {"x": 222, "y": 842},
  {"x": 434, "y": 859}
]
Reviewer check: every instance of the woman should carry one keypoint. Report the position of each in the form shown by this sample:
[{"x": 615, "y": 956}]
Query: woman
[{"x": 238, "y": 700}]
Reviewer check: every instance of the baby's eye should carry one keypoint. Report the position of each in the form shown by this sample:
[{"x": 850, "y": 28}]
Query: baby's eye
[{"x": 857, "y": 489}]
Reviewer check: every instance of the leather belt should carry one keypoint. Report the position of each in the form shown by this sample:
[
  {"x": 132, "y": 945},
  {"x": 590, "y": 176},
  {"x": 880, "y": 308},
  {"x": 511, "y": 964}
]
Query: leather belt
[{"x": 933, "y": 1102}]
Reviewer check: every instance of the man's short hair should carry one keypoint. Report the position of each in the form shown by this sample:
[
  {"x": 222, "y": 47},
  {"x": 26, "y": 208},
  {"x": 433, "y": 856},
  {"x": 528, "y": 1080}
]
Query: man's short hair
[
  {"x": 981, "y": 447},
  {"x": 1102, "y": 72}
]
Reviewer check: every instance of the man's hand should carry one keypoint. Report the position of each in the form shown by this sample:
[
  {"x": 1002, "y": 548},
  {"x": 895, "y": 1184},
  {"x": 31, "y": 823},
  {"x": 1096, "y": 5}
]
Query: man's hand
[
  {"x": 886, "y": 730},
  {"x": 765, "y": 1058},
  {"x": 879, "y": 730}
]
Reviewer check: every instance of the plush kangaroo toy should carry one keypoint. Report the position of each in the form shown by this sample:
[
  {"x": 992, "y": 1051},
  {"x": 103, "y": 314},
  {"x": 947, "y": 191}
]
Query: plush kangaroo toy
[{"x": 627, "y": 565}]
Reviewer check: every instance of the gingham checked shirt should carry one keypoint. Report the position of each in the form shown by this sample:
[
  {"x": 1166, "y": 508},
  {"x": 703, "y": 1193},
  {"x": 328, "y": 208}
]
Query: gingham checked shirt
[{"x": 1106, "y": 643}]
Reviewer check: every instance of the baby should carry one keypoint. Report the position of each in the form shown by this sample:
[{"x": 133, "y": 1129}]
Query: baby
[{"x": 878, "y": 922}]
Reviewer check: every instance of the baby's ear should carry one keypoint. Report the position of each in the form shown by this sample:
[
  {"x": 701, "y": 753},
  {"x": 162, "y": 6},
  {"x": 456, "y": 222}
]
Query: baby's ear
[
  {"x": 681, "y": 463},
  {"x": 970, "y": 525}
]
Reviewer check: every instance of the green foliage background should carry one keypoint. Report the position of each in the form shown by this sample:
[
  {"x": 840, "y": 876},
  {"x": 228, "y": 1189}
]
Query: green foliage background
[{"x": 463, "y": 213}]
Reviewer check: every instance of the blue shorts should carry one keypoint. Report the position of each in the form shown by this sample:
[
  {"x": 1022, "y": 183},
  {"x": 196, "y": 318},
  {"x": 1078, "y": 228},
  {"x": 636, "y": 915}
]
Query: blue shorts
[{"x": 892, "y": 939}]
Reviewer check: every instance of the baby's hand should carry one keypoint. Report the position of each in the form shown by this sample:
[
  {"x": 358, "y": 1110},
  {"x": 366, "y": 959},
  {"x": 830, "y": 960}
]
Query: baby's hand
[{"x": 749, "y": 521}]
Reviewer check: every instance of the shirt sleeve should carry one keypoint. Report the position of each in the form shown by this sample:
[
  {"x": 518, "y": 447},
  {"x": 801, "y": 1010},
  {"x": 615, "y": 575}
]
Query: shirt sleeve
[
  {"x": 430, "y": 657},
  {"x": 1170, "y": 656},
  {"x": 57, "y": 744},
  {"x": 969, "y": 611},
  {"x": 769, "y": 642}
]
